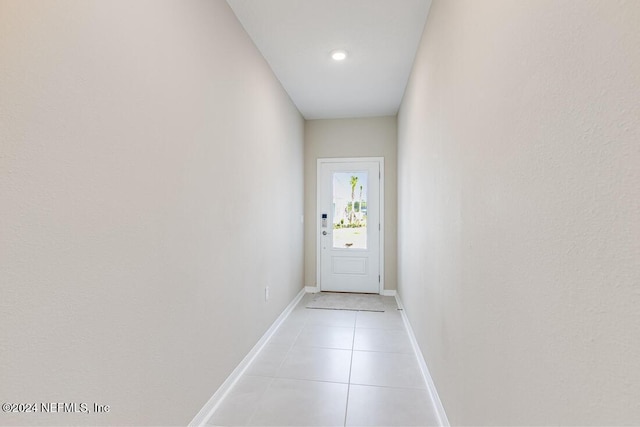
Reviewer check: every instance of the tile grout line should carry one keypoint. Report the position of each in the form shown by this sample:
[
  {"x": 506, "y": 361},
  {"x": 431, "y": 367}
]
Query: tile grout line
[
  {"x": 221, "y": 394},
  {"x": 353, "y": 344},
  {"x": 272, "y": 379},
  {"x": 293, "y": 343},
  {"x": 264, "y": 392}
]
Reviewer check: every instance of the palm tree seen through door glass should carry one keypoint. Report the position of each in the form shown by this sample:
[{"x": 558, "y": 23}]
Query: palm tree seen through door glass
[{"x": 350, "y": 210}]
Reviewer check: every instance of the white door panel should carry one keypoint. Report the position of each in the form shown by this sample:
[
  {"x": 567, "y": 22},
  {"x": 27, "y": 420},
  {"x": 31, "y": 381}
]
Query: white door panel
[{"x": 349, "y": 200}]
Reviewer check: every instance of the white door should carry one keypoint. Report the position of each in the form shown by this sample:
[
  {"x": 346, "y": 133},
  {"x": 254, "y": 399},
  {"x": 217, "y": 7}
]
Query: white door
[{"x": 349, "y": 225}]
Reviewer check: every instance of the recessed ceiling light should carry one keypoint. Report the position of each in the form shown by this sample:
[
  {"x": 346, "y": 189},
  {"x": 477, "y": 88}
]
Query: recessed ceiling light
[{"x": 338, "y": 55}]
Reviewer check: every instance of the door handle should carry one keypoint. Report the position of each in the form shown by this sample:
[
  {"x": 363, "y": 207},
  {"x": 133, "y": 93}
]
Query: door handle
[{"x": 324, "y": 233}]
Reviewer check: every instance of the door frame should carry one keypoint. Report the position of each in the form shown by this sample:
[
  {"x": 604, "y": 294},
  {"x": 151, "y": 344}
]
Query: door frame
[{"x": 320, "y": 162}]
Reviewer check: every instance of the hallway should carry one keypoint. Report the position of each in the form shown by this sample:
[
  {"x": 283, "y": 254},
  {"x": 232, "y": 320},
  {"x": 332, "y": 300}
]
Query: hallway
[
  {"x": 332, "y": 367},
  {"x": 162, "y": 207}
]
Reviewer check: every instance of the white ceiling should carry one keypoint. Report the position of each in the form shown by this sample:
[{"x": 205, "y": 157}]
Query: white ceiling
[{"x": 297, "y": 36}]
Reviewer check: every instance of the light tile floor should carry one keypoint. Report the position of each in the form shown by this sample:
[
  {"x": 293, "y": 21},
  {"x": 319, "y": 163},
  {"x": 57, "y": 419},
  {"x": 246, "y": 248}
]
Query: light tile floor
[{"x": 332, "y": 368}]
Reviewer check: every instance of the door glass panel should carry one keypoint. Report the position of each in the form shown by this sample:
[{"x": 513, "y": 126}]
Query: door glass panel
[{"x": 350, "y": 210}]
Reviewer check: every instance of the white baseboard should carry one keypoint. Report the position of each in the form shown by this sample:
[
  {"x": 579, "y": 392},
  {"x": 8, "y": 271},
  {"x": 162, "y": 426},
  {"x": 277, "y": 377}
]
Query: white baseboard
[
  {"x": 210, "y": 407},
  {"x": 431, "y": 387},
  {"x": 388, "y": 293},
  {"x": 311, "y": 289}
]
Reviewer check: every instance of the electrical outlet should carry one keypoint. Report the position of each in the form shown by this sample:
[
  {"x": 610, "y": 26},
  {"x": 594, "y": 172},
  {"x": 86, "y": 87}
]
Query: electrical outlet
[{"x": 266, "y": 293}]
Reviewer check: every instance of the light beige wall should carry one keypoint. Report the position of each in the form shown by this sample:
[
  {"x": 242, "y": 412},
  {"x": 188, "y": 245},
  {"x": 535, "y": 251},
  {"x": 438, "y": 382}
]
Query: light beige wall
[
  {"x": 366, "y": 137},
  {"x": 143, "y": 145},
  {"x": 519, "y": 232}
]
